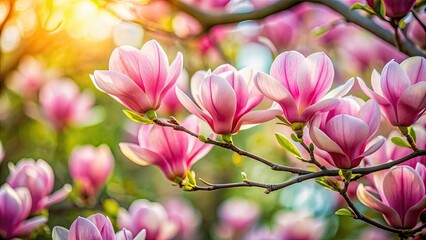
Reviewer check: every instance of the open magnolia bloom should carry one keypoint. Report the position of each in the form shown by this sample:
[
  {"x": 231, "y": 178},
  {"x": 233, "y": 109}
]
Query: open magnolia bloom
[
  {"x": 299, "y": 85},
  {"x": 172, "y": 151},
  {"x": 95, "y": 227},
  {"x": 402, "y": 197},
  {"x": 400, "y": 90},
  {"x": 37, "y": 177},
  {"x": 139, "y": 79},
  {"x": 15, "y": 207},
  {"x": 343, "y": 134},
  {"x": 225, "y": 99}
]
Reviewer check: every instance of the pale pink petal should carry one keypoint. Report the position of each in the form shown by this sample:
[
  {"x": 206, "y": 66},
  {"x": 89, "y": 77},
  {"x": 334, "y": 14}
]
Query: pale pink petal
[
  {"x": 394, "y": 82},
  {"x": 193, "y": 108},
  {"x": 369, "y": 200},
  {"x": 224, "y": 68},
  {"x": 378, "y": 142},
  {"x": 375, "y": 82},
  {"x": 321, "y": 106},
  {"x": 196, "y": 81},
  {"x": 403, "y": 188},
  {"x": 256, "y": 117},
  {"x": 421, "y": 170},
  {"x": 123, "y": 89},
  {"x": 124, "y": 235},
  {"x": 138, "y": 155},
  {"x": 219, "y": 100},
  {"x": 29, "y": 225},
  {"x": 141, "y": 235},
  {"x": 415, "y": 68},
  {"x": 285, "y": 68},
  {"x": 82, "y": 229},
  {"x": 59, "y": 233},
  {"x": 412, "y": 104},
  {"x": 273, "y": 90},
  {"x": 315, "y": 77},
  {"x": 173, "y": 74},
  {"x": 241, "y": 92},
  {"x": 125, "y": 59},
  {"x": 58, "y": 196},
  {"x": 341, "y": 90}
]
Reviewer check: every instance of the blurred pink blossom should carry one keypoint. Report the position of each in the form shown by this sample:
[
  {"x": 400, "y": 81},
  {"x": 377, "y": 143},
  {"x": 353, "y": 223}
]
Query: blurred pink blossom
[
  {"x": 236, "y": 217},
  {"x": 343, "y": 136},
  {"x": 139, "y": 79},
  {"x": 185, "y": 216},
  {"x": 402, "y": 197},
  {"x": 225, "y": 99},
  {"x": 30, "y": 76},
  {"x": 38, "y": 178},
  {"x": 90, "y": 167},
  {"x": 298, "y": 225},
  {"x": 299, "y": 85},
  {"x": 174, "y": 158},
  {"x": 416, "y": 32},
  {"x": 63, "y": 105},
  {"x": 400, "y": 90},
  {"x": 281, "y": 29},
  {"x": 395, "y": 8},
  {"x": 151, "y": 216},
  {"x": 15, "y": 208}
]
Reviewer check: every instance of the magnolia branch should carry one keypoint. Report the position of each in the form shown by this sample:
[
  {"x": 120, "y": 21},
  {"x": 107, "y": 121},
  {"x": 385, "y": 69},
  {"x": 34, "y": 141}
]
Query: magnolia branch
[{"x": 211, "y": 19}]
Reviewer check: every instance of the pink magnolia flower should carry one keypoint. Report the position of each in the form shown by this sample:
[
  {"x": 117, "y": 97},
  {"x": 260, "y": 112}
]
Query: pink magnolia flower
[
  {"x": 298, "y": 225},
  {"x": 400, "y": 90},
  {"x": 343, "y": 137},
  {"x": 95, "y": 227},
  {"x": 184, "y": 216},
  {"x": 173, "y": 158},
  {"x": 90, "y": 166},
  {"x": 225, "y": 99},
  {"x": 139, "y": 79},
  {"x": 298, "y": 84},
  {"x": 15, "y": 207},
  {"x": 63, "y": 105},
  {"x": 402, "y": 197},
  {"x": 150, "y": 216},
  {"x": 236, "y": 217},
  {"x": 37, "y": 177},
  {"x": 395, "y": 8}
]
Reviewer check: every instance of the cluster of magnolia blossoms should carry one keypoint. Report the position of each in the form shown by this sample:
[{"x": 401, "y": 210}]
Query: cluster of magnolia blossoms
[
  {"x": 26, "y": 193},
  {"x": 340, "y": 128}
]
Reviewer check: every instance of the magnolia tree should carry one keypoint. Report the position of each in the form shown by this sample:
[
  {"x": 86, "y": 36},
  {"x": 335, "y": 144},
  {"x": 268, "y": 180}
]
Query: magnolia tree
[{"x": 363, "y": 139}]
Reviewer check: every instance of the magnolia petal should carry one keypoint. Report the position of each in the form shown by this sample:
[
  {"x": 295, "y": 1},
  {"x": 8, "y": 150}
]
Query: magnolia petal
[
  {"x": 412, "y": 104},
  {"x": 415, "y": 68},
  {"x": 141, "y": 235},
  {"x": 256, "y": 117},
  {"x": 30, "y": 224},
  {"x": 393, "y": 82},
  {"x": 59, "y": 233},
  {"x": 321, "y": 106},
  {"x": 132, "y": 152},
  {"x": 285, "y": 68},
  {"x": 124, "y": 235},
  {"x": 273, "y": 90},
  {"x": 370, "y": 114},
  {"x": 104, "y": 225},
  {"x": 413, "y": 213},
  {"x": 82, "y": 229},
  {"x": 375, "y": 82},
  {"x": 379, "y": 141},
  {"x": 196, "y": 81},
  {"x": 403, "y": 188},
  {"x": 58, "y": 196},
  {"x": 123, "y": 89},
  {"x": 421, "y": 170},
  {"x": 192, "y": 108},
  {"x": 369, "y": 200},
  {"x": 341, "y": 90},
  {"x": 125, "y": 59},
  {"x": 315, "y": 77},
  {"x": 219, "y": 99}
]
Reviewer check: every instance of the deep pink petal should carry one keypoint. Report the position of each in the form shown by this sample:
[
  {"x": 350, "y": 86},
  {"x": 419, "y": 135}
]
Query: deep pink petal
[
  {"x": 403, "y": 188},
  {"x": 321, "y": 106},
  {"x": 104, "y": 225},
  {"x": 412, "y": 104},
  {"x": 369, "y": 200},
  {"x": 341, "y": 90},
  {"x": 412, "y": 216},
  {"x": 58, "y": 196}
]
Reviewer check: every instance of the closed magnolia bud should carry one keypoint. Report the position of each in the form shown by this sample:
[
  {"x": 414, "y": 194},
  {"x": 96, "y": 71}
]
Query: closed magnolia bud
[{"x": 395, "y": 8}]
